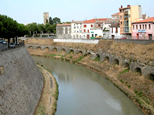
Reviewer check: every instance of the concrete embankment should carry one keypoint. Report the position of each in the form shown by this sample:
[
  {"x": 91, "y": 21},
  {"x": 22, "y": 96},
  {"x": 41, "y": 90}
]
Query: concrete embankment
[{"x": 21, "y": 83}]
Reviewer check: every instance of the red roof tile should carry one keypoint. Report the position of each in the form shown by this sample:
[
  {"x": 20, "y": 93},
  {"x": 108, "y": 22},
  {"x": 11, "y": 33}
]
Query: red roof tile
[
  {"x": 145, "y": 20},
  {"x": 115, "y": 14},
  {"x": 94, "y": 20}
]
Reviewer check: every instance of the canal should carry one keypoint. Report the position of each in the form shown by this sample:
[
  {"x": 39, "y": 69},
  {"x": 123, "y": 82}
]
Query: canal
[{"x": 84, "y": 92}]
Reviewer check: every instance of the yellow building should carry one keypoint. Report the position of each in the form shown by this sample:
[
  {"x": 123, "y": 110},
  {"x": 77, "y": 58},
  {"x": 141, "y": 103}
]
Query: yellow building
[{"x": 128, "y": 15}]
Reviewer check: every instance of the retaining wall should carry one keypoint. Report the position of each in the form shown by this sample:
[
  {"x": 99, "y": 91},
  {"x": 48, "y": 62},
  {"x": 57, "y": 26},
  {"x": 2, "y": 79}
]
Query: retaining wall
[{"x": 21, "y": 83}]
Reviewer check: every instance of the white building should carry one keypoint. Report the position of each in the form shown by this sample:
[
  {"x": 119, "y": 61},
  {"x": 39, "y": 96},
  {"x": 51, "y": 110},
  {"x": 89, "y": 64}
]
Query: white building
[
  {"x": 76, "y": 29},
  {"x": 115, "y": 31}
]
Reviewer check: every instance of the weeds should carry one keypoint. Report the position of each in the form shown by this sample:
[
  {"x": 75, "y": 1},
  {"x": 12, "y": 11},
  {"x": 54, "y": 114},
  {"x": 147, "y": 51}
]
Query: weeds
[
  {"x": 96, "y": 59},
  {"x": 80, "y": 58},
  {"x": 124, "y": 71}
]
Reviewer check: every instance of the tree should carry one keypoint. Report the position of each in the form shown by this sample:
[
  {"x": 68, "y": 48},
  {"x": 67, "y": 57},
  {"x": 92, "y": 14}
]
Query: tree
[
  {"x": 50, "y": 21},
  {"x": 41, "y": 28},
  {"x": 33, "y": 28},
  {"x": 56, "y": 20}
]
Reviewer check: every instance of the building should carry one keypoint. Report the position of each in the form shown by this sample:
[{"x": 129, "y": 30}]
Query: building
[
  {"x": 63, "y": 31},
  {"x": 91, "y": 24},
  {"x": 115, "y": 16},
  {"x": 115, "y": 30},
  {"x": 76, "y": 29},
  {"x": 45, "y": 17},
  {"x": 128, "y": 15},
  {"x": 143, "y": 29}
]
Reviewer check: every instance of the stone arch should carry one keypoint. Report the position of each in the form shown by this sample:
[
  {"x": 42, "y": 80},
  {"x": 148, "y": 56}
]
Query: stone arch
[
  {"x": 150, "y": 76},
  {"x": 106, "y": 58},
  {"x": 38, "y": 47},
  {"x": 116, "y": 61},
  {"x": 97, "y": 57},
  {"x": 126, "y": 65},
  {"x": 31, "y": 47},
  {"x": 139, "y": 70},
  {"x": 71, "y": 50},
  {"x": 46, "y": 48},
  {"x": 63, "y": 49},
  {"x": 54, "y": 49}
]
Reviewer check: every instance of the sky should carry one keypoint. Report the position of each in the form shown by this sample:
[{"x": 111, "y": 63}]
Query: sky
[{"x": 28, "y": 11}]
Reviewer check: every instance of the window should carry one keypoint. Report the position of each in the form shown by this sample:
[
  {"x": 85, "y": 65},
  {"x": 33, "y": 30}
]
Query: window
[
  {"x": 92, "y": 35},
  {"x": 149, "y": 26},
  {"x": 133, "y": 27},
  {"x": 85, "y": 26},
  {"x": 88, "y": 31},
  {"x": 91, "y": 25},
  {"x": 145, "y": 26},
  {"x": 74, "y": 31},
  {"x": 121, "y": 23},
  {"x": 99, "y": 25},
  {"x": 140, "y": 26},
  {"x": 84, "y": 30},
  {"x": 120, "y": 17},
  {"x": 112, "y": 30},
  {"x": 136, "y": 26},
  {"x": 116, "y": 30}
]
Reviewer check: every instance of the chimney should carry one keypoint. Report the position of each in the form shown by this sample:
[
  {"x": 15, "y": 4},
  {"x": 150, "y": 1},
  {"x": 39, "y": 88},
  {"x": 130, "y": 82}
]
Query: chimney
[
  {"x": 128, "y": 6},
  {"x": 121, "y": 6}
]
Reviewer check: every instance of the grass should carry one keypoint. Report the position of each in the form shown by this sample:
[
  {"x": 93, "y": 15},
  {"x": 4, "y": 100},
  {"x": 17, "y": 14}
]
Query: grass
[
  {"x": 70, "y": 57},
  {"x": 53, "y": 55},
  {"x": 80, "y": 58},
  {"x": 122, "y": 81},
  {"x": 124, "y": 71},
  {"x": 41, "y": 110},
  {"x": 97, "y": 59},
  {"x": 129, "y": 86},
  {"x": 57, "y": 91}
]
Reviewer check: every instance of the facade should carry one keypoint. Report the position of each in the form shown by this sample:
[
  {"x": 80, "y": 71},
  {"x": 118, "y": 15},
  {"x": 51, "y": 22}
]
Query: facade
[
  {"x": 45, "y": 17},
  {"x": 90, "y": 25},
  {"x": 128, "y": 15},
  {"x": 115, "y": 31},
  {"x": 96, "y": 32},
  {"x": 143, "y": 29},
  {"x": 76, "y": 29},
  {"x": 115, "y": 16},
  {"x": 63, "y": 31}
]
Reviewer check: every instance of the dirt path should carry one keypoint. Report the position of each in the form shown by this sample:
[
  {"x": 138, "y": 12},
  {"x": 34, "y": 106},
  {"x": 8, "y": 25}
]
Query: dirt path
[{"x": 48, "y": 102}]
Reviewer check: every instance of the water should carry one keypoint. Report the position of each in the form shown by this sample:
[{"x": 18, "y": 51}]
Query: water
[{"x": 84, "y": 92}]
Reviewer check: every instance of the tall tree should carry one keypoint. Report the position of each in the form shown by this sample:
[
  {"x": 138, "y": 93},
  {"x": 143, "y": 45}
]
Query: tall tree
[
  {"x": 50, "y": 21},
  {"x": 56, "y": 20}
]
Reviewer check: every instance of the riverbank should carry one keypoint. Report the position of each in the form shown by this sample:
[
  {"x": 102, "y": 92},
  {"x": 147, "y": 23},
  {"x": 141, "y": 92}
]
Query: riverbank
[
  {"x": 48, "y": 101},
  {"x": 131, "y": 83}
]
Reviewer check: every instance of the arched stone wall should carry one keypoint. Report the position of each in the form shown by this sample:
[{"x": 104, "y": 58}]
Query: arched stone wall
[{"x": 139, "y": 70}]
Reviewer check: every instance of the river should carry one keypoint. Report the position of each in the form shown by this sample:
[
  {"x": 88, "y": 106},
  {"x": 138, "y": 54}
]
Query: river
[{"x": 84, "y": 92}]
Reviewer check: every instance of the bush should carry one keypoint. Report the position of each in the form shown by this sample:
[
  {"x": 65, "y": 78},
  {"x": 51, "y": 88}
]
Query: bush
[
  {"x": 135, "y": 91},
  {"x": 129, "y": 86},
  {"x": 122, "y": 81},
  {"x": 124, "y": 71}
]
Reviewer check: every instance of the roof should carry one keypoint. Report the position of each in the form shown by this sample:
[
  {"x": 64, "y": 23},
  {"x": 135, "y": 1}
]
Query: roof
[
  {"x": 94, "y": 20},
  {"x": 145, "y": 20},
  {"x": 115, "y": 14},
  {"x": 66, "y": 24},
  {"x": 76, "y": 21},
  {"x": 115, "y": 24}
]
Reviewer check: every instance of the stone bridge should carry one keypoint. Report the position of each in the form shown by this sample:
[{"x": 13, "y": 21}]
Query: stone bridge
[{"x": 134, "y": 66}]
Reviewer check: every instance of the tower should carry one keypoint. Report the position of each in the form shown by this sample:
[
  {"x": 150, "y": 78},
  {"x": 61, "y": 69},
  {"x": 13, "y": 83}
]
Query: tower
[{"x": 46, "y": 17}]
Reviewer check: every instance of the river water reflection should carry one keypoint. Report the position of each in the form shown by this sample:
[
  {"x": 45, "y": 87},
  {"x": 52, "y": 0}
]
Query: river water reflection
[{"x": 84, "y": 92}]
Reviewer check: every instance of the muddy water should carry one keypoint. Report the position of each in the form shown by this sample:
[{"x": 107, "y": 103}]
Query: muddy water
[{"x": 84, "y": 92}]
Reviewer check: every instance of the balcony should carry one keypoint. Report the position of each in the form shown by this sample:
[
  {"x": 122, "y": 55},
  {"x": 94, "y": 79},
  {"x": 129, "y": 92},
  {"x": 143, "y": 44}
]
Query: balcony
[
  {"x": 125, "y": 12},
  {"x": 126, "y": 29}
]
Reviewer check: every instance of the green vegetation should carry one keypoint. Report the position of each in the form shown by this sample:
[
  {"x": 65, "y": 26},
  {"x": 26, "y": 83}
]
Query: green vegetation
[
  {"x": 57, "y": 91},
  {"x": 126, "y": 82},
  {"x": 122, "y": 81},
  {"x": 70, "y": 57},
  {"x": 41, "y": 65},
  {"x": 97, "y": 59},
  {"x": 41, "y": 110},
  {"x": 53, "y": 55},
  {"x": 139, "y": 101},
  {"x": 80, "y": 58},
  {"x": 135, "y": 91},
  {"x": 124, "y": 71},
  {"x": 129, "y": 86}
]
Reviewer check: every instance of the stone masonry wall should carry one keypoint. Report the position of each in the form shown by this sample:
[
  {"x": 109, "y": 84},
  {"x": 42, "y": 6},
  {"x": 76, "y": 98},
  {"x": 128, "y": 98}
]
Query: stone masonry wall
[{"x": 21, "y": 83}]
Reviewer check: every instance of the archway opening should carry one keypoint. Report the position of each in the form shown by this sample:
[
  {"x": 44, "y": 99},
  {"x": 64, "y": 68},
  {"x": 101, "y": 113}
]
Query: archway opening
[
  {"x": 46, "y": 49},
  {"x": 54, "y": 50},
  {"x": 97, "y": 57},
  {"x": 71, "y": 51},
  {"x": 150, "y": 76},
  {"x": 138, "y": 70},
  {"x": 126, "y": 65},
  {"x": 38, "y": 48},
  {"x": 30, "y": 47},
  {"x": 116, "y": 61},
  {"x": 80, "y": 52},
  {"x": 106, "y": 59}
]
